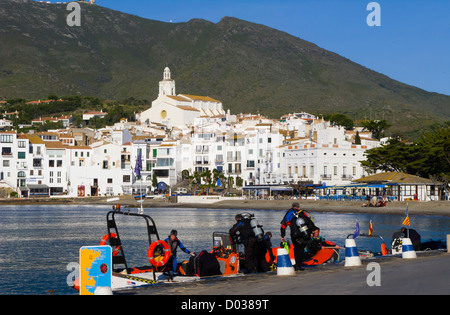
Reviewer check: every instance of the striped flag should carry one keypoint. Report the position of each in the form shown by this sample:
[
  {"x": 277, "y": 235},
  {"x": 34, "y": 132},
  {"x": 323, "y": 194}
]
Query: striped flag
[
  {"x": 370, "y": 228},
  {"x": 356, "y": 233},
  {"x": 406, "y": 221}
]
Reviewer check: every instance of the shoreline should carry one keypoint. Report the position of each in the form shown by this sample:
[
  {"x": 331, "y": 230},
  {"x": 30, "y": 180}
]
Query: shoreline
[{"x": 440, "y": 208}]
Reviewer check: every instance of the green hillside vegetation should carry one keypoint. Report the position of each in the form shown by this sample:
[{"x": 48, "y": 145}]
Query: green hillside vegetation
[{"x": 249, "y": 67}]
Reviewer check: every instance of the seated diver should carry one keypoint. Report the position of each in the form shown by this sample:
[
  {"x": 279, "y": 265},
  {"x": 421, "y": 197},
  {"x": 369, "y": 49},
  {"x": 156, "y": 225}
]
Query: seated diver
[{"x": 316, "y": 243}]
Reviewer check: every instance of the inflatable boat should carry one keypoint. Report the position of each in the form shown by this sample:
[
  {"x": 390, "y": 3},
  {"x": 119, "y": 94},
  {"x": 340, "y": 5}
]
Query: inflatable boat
[
  {"x": 329, "y": 252},
  {"x": 222, "y": 260}
]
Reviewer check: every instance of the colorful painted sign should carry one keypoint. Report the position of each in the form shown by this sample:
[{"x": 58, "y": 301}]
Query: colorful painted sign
[{"x": 95, "y": 268}]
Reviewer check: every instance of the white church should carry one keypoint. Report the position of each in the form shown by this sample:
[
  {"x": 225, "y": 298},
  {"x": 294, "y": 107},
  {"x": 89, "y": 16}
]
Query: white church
[{"x": 179, "y": 110}]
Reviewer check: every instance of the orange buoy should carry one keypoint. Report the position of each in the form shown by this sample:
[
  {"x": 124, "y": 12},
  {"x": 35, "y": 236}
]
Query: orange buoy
[
  {"x": 384, "y": 250},
  {"x": 155, "y": 256},
  {"x": 76, "y": 284},
  {"x": 105, "y": 239}
]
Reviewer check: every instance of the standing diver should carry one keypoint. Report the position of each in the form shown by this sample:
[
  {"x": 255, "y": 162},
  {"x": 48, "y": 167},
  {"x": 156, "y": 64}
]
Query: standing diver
[
  {"x": 174, "y": 242},
  {"x": 242, "y": 232},
  {"x": 302, "y": 226}
]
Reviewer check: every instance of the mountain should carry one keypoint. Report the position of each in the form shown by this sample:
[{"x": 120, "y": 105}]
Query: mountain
[{"x": 249, "y": 67}]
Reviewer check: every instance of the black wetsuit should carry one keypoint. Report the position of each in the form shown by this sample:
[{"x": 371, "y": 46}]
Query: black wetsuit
[{"x": 299, "y": 241}]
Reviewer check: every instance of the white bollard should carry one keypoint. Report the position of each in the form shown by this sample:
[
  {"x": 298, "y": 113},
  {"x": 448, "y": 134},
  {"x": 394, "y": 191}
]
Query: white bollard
[
  {"x": 351, "y": 253},
  {"x": 408, "y": 249},
  {"x": 103, "y": 291},
  {"x": 448, "y": 243},
  {"x": 284, "y": 265}
]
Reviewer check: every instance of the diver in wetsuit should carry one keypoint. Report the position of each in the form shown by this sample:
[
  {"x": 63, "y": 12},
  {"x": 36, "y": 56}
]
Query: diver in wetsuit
[
  {"x": 264, "y": 247},
  {"x": 302, "y": 226},
  {"x": 242, "y": 232},
  {"x": 174, "y": 243}
]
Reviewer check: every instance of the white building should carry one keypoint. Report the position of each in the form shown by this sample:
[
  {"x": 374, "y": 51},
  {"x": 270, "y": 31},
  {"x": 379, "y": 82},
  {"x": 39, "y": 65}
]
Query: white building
[
  {"x": 179, "y": 110},
  {"x": 8, "y": 160},
  {"x": 4, "y": 123}
]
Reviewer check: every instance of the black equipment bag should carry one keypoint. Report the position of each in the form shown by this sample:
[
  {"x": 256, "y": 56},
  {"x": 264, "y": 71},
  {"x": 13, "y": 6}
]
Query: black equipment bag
[{"x": 207, "y": 265}]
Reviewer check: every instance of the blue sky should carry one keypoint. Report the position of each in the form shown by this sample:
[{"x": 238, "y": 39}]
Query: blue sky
[{"x": 412, "y": 45}]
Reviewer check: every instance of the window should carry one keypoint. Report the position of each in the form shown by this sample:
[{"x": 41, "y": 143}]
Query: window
[
  {"x": 21, "y": 144},
  {"x": 5, "y": 163},
  {"x": 59, "y": 163},
  {"x": 6, "y": 138},
  {"x": 51, "y": 163},
  {"x": 20, "y": 155},
  {"x": 126, "y": 178},
  {"x": 6, "y": 151},
  {"x": 110, "y": 181},
  {"x": 105, "y": 165}
]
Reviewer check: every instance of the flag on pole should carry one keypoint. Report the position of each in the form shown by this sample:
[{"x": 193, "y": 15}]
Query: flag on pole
[
  {"x": 406, "y": 221},
  {"x": 370, "y": 228},
  {"x": 138, "y": 166},
  {"x": 356, "y": 233}
]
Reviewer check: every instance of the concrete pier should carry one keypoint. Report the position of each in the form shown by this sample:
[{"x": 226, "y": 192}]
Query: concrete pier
[{"x": 428, "y": 274}]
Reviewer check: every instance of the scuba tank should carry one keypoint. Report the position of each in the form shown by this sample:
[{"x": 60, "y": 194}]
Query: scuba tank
[
  {"x": 257, "y": 229},
  {"x": 303, "y": 228},
  {"x": 254, "y": 225}
]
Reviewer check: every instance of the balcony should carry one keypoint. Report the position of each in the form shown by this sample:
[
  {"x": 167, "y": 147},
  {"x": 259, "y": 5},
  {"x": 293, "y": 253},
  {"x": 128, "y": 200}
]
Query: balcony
[
  {"x": 234, "y": 159},
  {"x": 6, "y": 153},
  {"x": 325, "y": 176},
  {"x": 201, "y": 162}
]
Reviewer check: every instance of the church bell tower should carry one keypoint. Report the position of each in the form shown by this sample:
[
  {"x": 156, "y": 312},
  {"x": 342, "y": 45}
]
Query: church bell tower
[{"x": 167, "y": 85}]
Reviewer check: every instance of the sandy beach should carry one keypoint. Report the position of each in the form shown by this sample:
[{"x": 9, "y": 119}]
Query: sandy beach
[{"x": 441, "y": 208}]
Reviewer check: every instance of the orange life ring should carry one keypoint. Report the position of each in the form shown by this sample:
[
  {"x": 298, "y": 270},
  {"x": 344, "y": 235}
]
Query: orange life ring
[
  {"x": 158, "y": 260},
  {"x": 105, "y": 239}
]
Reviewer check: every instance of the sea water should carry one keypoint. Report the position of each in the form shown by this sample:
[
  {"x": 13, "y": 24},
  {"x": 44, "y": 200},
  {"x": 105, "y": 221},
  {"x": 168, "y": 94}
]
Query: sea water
[{"x": 39, "y": 244}]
